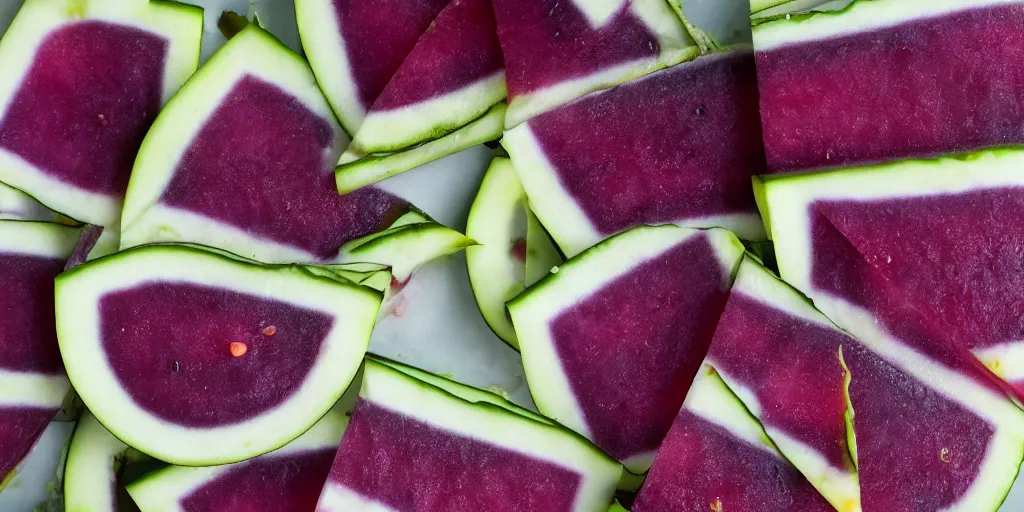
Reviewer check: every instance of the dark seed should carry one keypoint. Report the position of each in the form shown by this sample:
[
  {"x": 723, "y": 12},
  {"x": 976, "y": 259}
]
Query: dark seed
[{"x": 175, "y": 367}]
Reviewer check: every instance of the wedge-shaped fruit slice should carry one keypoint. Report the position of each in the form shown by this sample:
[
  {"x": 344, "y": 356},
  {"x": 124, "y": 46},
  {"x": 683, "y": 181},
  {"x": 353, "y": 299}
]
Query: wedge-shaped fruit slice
[
  {"x": 780, "y": 357},
  {"x": 95, "y": 463},
  {"x": 590, "y": 172},
  {"x": 288, "y": 479},
  {"x": 514, "y": 250},
  {"x": 558, "y": 51},
  {"x": 82, "y": 82},
  {"x": 197, "y": 358},
  {"x": 888, "y": 79},
  {"x": 717, "y": 457},
  {"x": 412, "y": 446},
  {"x": 356, "y": 46},
  {"x": 17, "y": 205},
  {"x": 241, "y": 159},
  {"x": 454, "y": 76},
  {"x": 32, "y": 380},
  {"x": 611, "y": 341}
]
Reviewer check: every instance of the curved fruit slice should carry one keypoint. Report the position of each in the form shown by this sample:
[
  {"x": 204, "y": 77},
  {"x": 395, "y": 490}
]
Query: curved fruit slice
[
  {"x": 718, "y": 458},
  {"x": 95, "y": 462},
  {"x": 405, "y": 247},
  {"x": 198, "y": 359},
  {"x": 885, "y": 80},
  {"x": 356, "y": 46},
  {"x": 470, "y": 456},
  {"x": 17, "y": 205},
  {"x": 590, "y": 172},
  {"x": 288, "y": 479},
  {"x": 631, "y": 317},
  {"x": 558, "y": 51},
  {"x": 241, "y": 159},
  {"x": 83, "y": 80},
  {"x": 514, "y": 251},
  {"x": 781, "y": 358}
]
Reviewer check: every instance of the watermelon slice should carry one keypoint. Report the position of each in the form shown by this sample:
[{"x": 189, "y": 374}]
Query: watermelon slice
[
  {"x": 288, "y": 479},
  {"x": 32, "y": 381},
  {"x": 590, "y": 173},
  {"x": 453, "y": 77},
  {"x": 17, "y": 205},
  {"x": 611, "y": 341},
  {"x": 888, "y": 79},
  {"x": 206, "y": 174},
  {"x": 95, "y": 463},
  {"x": 196, "y": 358},
  {"x": 781, "y": 358},
  {"x": 83, "y": 80},
  {"x": 557, "y": 51},
  {"x": 514, "y": 252},
  {"x": 412, "y": 446},
  {"x": 717, "y": 457}
]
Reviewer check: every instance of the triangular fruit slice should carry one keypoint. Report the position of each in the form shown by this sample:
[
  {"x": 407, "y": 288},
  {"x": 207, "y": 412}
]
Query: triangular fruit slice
[
  {"x": 197, "y": 358},
  {"x": 612, "y": 339},
  {"x": 32, "y": 381},
  {"x": 558, "y": 51},
  {"x": 82, "y": 82},
  {"x": 890, "y": 79},
  {"x": 241, "y": 159},
  {"x": 780, "y": 357},
  {"x": 17, "y": 205},
  {"x": 413, "y": 446},
  {"x": 718, "y": 458},
  {"x": 453, "y": 77},
  {"x": 355, "y": 47},
  {"x": 288, "y": 479},
  {"x": 590, "y": 172},
  {"x": 95, "y": 463}
]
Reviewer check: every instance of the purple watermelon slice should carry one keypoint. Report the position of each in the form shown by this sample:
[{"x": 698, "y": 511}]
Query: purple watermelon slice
[
  {"x": 591, "y": 172},
  {"x": 412, "y": 446},
  {"x": 82, "y": 82},
  {"x": 612, "y": 339},
  {"x": 197, "y": 358},
  {"x": 886, "y": 80},
  {"x": 556, "y": 51},
  {"x": 241, "y": 160},
  {"x": 780, "y": 357},
  {"x": 718, "y": 458}
]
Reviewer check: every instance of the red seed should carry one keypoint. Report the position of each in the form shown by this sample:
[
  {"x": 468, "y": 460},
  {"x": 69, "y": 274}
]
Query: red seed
[
  {"x": 238, "y": 349},
  {"x": 269, "y": 330}
]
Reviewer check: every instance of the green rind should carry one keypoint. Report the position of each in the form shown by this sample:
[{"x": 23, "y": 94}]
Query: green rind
[
  {"x": 90, "y": 471},
  {"x": 406, "y": 248},
  {"x": 541, "y": 253}
]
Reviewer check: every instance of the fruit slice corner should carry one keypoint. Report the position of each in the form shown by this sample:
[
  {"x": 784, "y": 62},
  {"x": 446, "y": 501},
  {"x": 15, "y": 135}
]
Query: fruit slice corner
[
  {"x": 95, "y": 463},
  {"x": 241, "y": 159},
  {"x": 197, "y": 358},
  {"x": 17, "y": 205},
  {"x": 717, "y": 457},
  {"x": 611, "y": 340},
  {"x": 473, "y": 453},
  {"x": 558, "y": 51},
  {"x": 514, "y": 251},
  {"x": 83, "y": 80}
]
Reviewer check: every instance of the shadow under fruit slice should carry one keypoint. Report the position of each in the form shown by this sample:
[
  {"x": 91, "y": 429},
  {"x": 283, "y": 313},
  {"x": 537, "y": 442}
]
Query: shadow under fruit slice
[
  {"x": 241, "y": 159},
  {"x": 197, "y": 358},
  {"x": 611, "y": 340},
  {"x": 17, "y": 205},
  {"x": 82, "y": 82},
  {"x": 458, "y": 451}
]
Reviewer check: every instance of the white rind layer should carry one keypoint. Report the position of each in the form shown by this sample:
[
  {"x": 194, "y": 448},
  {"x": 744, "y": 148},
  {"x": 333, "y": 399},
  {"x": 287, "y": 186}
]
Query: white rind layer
[{"x": 325, "y": 48}]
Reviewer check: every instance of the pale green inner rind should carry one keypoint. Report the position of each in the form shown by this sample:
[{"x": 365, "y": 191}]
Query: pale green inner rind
[{"x": 406, "y": 248}]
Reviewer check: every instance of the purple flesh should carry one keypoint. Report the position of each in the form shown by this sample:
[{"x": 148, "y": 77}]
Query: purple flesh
[
  {"x": 378, "y": 35},
  {"x": 282, "y": 483},
  {"x": 632, "y": 348},
  {"x": 792, "y": 366},
  {"x": 169, "y": 346},
  {"x": 699, "y": 145},
  {"x": 458, "y": 50},
  {"x": 547, "y": 42},
  {"x": 948, "y": 84},
  {"x": 87, "y": 101},
  {"x": 28, "y": 335},
  {"x": 20, "y": 427},
  {"x": 259, "y": 164},
  {"x": 902, "y": 429},
  {"x": 702, "y": 466},
  {"x": 411, "y": 466}
]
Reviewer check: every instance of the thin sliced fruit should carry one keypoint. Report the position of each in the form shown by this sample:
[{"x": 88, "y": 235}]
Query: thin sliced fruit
[
  {"x": 405, "y": 248},
  {"x": 196, "y": 358},
  {"x": 95, "y": 462},
  {"x": 466, "y": 455},
  {"x": 17, "y": 205},
  {"x": 241, "y": 159},
  {"x": 83, "y": 80},
  {"x": 717, "y": 457},
  {"x": 591, "y": 172},
  {"x": 611, "y": 341}
]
